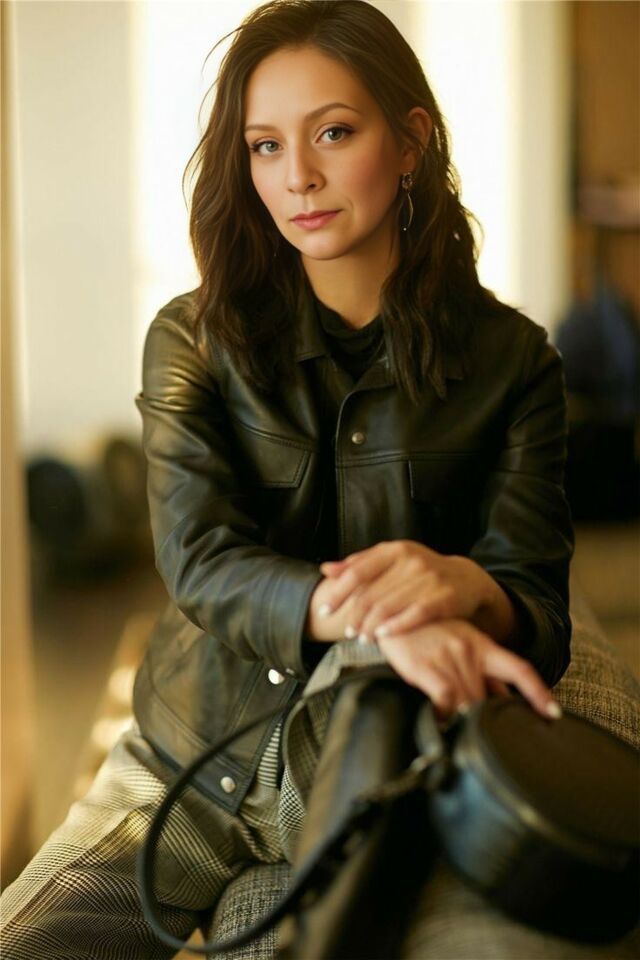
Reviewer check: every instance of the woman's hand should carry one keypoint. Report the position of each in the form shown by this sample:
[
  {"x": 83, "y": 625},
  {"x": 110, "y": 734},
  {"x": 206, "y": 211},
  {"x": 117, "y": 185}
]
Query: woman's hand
[
  {"x": 398, "y": 585},
  {"x": 321, "y": 623},
  {"x": 455, "y": 664}
]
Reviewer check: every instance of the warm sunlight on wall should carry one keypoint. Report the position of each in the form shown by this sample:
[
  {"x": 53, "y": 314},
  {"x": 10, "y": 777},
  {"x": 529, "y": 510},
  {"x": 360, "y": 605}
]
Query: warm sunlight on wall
[
  {"x": 170, "y": 42},
  {"x": 499, "y": 70},
  {"x": 467, "y": 55}
]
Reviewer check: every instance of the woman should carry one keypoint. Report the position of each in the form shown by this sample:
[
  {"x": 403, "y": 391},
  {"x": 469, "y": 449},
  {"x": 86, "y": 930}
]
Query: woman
[{"x": 347, "y": 437}]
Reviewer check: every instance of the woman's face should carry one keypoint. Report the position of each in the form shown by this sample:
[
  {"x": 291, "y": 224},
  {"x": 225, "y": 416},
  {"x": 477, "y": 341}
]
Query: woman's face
[{"x": 320, "y": 143}]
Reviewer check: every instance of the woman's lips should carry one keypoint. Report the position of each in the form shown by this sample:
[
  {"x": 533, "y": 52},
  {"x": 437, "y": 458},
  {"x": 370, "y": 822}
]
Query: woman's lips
[{"x": 318, "y": 220}]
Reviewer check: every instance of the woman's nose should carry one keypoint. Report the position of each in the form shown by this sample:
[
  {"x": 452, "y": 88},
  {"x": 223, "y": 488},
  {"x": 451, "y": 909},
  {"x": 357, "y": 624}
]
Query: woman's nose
[{"x": 302, "y": 172}]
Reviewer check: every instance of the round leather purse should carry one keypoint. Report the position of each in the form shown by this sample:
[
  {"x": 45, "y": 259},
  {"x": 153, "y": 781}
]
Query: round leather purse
[{"x": 541, "y": 816}]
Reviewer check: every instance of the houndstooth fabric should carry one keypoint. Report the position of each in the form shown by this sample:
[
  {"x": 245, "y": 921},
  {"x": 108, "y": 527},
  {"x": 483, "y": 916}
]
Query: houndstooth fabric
[
  {"x": 305, "y": 731},
  {"x": 78, "y": 898}
]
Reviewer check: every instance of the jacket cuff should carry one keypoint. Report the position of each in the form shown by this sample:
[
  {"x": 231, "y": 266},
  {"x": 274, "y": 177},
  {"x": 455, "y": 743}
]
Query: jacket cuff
[
  {"x": 542, "y": 637},
  {"x": 284, "y": 613}
]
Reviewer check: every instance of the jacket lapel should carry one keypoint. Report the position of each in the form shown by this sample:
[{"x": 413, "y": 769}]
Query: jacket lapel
[{"x": 310, "y": 342}]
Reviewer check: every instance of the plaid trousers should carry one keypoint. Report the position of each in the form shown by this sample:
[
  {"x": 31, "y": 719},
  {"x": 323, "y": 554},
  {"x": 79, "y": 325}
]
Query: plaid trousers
[{"x": 78, "y": 898}]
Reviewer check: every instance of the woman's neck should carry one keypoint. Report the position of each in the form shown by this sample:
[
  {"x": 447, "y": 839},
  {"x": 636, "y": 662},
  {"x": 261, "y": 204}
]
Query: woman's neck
[{"x": 350, "y": 285}]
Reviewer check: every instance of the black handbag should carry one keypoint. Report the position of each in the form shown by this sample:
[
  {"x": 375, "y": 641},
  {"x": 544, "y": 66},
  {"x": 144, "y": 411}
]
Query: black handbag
[{"x": 541, "y": 816}]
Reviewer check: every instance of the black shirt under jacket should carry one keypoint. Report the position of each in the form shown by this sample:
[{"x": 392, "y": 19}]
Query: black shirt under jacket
[{"x": 352, "y": 350}]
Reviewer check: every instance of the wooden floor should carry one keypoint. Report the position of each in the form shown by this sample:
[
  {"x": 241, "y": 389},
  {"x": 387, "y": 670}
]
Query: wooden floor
[{"x": 79, "y": 633}]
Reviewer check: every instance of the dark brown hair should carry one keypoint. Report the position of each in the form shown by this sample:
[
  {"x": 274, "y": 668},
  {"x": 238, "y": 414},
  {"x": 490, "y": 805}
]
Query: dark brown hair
[{"x": 251, "y": 276}]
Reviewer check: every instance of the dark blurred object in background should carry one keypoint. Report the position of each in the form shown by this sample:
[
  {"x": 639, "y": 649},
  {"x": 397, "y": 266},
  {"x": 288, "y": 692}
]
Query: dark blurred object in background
[
  {"x": 88, "y": 515},
  {"x": 600, "y": 344},
  {"x": 599, "y": 335}
]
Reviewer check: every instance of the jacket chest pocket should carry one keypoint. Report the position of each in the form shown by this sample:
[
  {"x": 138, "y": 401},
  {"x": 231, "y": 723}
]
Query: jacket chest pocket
[
  {"x": 272, "y": 472},
  {"x": 445, "y": 492},
  {"x": 269, "y": 461}
]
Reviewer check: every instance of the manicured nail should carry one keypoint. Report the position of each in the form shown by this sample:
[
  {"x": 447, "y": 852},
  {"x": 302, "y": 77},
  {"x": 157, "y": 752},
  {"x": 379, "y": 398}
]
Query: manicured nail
[
  {"x": 382, "y": 630},
  {"x": 324, "y": 610},
  {"x": 364, "y": 638},
  {"x": 350, "y": 632},
  {"x": 554, "y": 710}
]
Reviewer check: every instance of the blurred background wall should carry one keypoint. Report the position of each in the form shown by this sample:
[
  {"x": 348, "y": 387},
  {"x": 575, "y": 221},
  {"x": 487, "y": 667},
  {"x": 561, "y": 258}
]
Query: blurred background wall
[
  {"x": 16, "y": 680},
  {"x": 101, "y": 115}
]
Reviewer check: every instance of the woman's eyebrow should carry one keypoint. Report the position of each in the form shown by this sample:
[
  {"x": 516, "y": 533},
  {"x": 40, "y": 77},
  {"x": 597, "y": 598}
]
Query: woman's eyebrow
[{"x": 309, "y": 116}]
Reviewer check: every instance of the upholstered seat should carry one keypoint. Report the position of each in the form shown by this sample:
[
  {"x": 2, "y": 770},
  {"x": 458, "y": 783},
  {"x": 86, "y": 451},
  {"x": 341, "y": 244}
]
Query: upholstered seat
[{"x": 453, "y": 922}]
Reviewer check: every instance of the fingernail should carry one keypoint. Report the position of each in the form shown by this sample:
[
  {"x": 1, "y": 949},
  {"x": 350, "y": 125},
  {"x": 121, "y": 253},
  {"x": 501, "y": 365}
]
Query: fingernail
[
  {"x": 350, "y": 632},
  {"x": 324, "y": 610},
  {"x": 382, "y": 630},
  {"x": 554, "y": 710},
  {"x": 364, "y": 638},
  {"x": 464, "y": 707}
]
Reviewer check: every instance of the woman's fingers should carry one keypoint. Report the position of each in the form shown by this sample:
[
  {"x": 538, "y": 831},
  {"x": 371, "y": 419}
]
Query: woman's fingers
[
  {"x": 504, "y": 665},
  {"x": 400, "y": 589},
  {"x": 447, "y": 682},
  {"x": 497, "y": 687},
  {"x": 351, "y": 577},
  {"x": 455, "y": 664},
  {"x": 386, "y": 603},
  {"x": 465, "y": 660},
  {"x": 455, "y": 656},
  {"x": 394, "y": 605},
  {"x": 333, "y": 568},
  {"x": 441, "y": 687},
  {"x": 438, "y": 606}
]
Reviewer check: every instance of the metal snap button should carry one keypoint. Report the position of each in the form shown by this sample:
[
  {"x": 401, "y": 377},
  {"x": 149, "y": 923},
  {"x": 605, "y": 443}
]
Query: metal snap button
[
  {"x": 275, "y": 677},
  {"x": 228, "y": 784},
  {"x": 358, "y": 437}
]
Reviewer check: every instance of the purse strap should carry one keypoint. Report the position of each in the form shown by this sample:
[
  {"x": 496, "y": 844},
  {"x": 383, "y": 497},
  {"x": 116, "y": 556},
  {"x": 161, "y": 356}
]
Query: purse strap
[{"x": 323, "y": 862}]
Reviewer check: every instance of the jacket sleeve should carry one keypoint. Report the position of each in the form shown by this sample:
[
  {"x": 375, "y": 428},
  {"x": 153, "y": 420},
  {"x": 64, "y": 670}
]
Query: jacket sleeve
[
  {"x": 206, "y": 543},
  {"x": 527, "y": 539}
]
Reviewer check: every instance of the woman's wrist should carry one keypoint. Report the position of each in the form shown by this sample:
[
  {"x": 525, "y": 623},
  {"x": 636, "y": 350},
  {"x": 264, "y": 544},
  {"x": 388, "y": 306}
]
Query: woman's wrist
[{"x": 496, "y": 615}]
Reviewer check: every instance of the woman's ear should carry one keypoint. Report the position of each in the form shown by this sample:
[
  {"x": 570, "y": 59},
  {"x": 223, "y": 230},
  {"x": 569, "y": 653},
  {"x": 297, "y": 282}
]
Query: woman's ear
[{"x": 422, "y": 125}]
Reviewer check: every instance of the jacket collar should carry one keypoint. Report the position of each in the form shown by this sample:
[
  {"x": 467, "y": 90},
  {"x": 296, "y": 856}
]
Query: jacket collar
[{"x": 310, "y": 341}]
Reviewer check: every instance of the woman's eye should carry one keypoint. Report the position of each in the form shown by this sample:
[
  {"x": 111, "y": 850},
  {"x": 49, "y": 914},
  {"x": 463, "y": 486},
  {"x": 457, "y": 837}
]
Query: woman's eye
[
  {"x": 266, "y": 148},
  {"x": 257, "y": 147},
  {"x": 336, "y": 134}
]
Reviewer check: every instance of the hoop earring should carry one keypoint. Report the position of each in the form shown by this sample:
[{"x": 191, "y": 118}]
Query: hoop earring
[{"x": 407, "y": 184}]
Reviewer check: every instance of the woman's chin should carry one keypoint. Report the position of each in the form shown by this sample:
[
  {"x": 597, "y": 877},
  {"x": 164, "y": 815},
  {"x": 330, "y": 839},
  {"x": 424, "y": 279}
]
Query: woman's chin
[{"x": 324, "y": 248}]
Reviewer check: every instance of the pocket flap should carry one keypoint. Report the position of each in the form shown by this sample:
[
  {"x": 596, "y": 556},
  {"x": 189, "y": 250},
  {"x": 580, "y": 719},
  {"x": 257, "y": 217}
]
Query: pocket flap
[{"x": 272, "y": 461}]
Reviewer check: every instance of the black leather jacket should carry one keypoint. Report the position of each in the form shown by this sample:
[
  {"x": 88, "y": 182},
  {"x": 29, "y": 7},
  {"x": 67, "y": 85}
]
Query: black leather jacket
[{"x": 233, "y": 486}]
